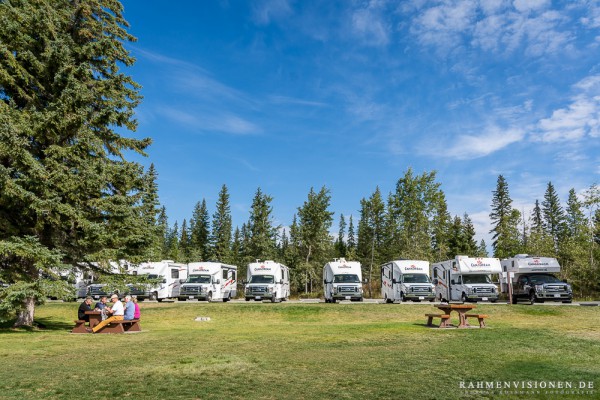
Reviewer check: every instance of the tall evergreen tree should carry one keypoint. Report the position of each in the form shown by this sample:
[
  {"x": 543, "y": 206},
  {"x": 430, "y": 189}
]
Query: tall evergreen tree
[
  {"x": 262, "y": 235},
  {"x": 538, "y": 242},
  {"x": 469, "y": 235},
  {"x": 163, "y": 234},
  {"x": 221, "y": 227},
  {"x": 481, "y": 250},
  {"x": 505, "y": 221},
  {"x": 199, "y": 233},
  {"x": 553, "y": 216},
  {"x": 351, "y": 249},
  {"x": 340, "y": 243},
  {"x": 173, "y": 240},
  {"x": 314, "y": 222},
  {"x": 68, "y": 195},
  {"x": 184, "y": 254}
]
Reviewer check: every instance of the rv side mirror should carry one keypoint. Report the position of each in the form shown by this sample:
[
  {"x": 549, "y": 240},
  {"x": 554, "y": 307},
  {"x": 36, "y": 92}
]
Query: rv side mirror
[
  {"x": 244, "y": 282},
  {"x": 281, "y": 281},
  {"x": 452, "y": 282},
  {"x": 434, "y": 281},
  {"x": 394, "y": 281},
  {"x": 218, "y": 281},
  {"x": 325, "y": 281},
  {"x": 164, "y": 280},
  {"x": 565, "y": 281},
  {"x": 365, "y": 280}
]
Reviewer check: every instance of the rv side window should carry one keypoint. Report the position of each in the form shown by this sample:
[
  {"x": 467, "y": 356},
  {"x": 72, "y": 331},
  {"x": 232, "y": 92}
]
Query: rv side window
[
  {"x": 282, "y": 274},
  {"x": 233, "y": 275},
  {"x": 174, "y": 274},
  {"x": 435, "y": 275},
  {"x": 224, "y": 274}
]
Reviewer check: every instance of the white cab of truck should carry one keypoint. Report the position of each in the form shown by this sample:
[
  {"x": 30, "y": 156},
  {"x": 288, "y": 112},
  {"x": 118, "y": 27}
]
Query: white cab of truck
[
  {"x": 403, "y": 280},
  {"x": 210, "y": 281},
  {"x": 342, "y": 280},
  {"x": 466, "y": 279},
  {"x": 267, "y": 280},
  {"x": 534, "y": 279}
]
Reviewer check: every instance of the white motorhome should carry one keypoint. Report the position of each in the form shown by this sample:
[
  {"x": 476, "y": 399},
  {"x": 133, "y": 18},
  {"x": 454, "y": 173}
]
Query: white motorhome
[
  {"x": 466, "y": 279},
  {"x": 532, "y": 278},
  {"x": 209, "y": 281},
  {"x": 403, "y": 280},
  {"x": 97, "y": 290},
  {"x": 267, "y": 280},
  {"x": 170, "y": 275},
  {"x": 342, "y": 280}
]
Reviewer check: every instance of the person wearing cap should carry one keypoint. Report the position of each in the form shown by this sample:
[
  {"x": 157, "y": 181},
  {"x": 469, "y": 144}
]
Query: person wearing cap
[{"x": 116, "y": 312}]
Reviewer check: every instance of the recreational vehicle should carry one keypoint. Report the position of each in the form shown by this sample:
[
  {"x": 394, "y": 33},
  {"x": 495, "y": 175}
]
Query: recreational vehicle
[
  {"x": 267, "y": 280},
  {"x": 532, "y": 278},
  {"x": 209, "y": 281},
  {"x": 466, "y": 279},
  {"x": 403, "y": 280},
  {"x": 97, "y": 290},
  {"x": 169, "y": 274},
  {"x": 342, "y": 280}
]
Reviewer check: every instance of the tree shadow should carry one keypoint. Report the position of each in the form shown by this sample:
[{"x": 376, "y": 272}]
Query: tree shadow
[{"x": 41, "y": 325}]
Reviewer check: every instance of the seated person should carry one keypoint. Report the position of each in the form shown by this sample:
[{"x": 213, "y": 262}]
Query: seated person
[
  {"x": 136, "y": 314},
  {"x": 83, "y": 307},
  {"x": 101, "y": 305},
  {"x": 129, "y": 309}
]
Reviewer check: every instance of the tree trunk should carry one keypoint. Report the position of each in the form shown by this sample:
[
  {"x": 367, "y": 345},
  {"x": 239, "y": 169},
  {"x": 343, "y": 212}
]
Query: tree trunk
[{"x": 25, "y": 316}]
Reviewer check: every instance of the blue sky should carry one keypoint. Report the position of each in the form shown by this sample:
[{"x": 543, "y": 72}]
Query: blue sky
[{"x": 288, "y": 95}]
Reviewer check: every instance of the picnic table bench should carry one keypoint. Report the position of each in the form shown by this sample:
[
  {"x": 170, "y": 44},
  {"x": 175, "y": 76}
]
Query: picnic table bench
[
  {"x": 444, "y": 319},
  {"x": 122, "y": 326},
  {"x": 480, "y": 317}
]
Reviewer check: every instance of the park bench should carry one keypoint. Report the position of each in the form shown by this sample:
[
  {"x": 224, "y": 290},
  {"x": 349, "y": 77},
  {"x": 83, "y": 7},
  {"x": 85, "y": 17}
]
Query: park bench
[
  {"x": 480, "y": 318},
  {"x": 79, "y": 326},
  {"x": 122, "y": 326},
  {"x": 444, "y": 319}
]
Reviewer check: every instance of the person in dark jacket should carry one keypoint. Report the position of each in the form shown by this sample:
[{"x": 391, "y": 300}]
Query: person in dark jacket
[{"x": 83, "y": 307}]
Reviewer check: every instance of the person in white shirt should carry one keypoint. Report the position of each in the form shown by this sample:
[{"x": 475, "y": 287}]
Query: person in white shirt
[{"x": 116, "y": 312}]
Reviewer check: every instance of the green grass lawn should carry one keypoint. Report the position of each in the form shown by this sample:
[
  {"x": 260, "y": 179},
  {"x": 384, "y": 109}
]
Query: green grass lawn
[{"x": 301, "y": 351}]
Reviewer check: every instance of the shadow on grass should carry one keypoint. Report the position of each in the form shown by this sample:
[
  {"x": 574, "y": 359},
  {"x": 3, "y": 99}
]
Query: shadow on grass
[{"x": 41, "y": 325}]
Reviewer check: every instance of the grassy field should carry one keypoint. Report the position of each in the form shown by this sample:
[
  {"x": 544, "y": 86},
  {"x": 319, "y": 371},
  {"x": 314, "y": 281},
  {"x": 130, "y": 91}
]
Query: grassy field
[{"x": 302, "y": 351}]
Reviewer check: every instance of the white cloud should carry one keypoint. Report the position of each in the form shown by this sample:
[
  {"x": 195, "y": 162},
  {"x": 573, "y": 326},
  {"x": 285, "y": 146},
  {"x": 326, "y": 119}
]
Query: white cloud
[
  {"x": 490, "y": 141},
  {"x": 578, "y": 119},
  {"x": 266, "y": 11},
  {"x": 370, "y": 25},
  {"x": 531, "y": 5},
  {"x": 210, "y": 122},
  {"x": 497, "y": 26}
]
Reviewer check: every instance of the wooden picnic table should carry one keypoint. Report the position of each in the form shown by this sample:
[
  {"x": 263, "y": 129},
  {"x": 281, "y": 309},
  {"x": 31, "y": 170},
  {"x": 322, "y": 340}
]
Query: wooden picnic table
[
  {"x": 95, "y": 317},
  {"x": 461, "y": 309}
]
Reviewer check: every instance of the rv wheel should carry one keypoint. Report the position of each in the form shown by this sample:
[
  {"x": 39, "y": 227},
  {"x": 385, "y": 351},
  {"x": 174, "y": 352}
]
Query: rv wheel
[
  {"x": 388, "y": 300},
  {"x": 154, "y": 296},
  {"x": 464, "y": 298},
  {"x": 402, "y": 296},
  {"x": 515, "y": 299},
  {"x": 209, "y": 297},
  {"x": 247, "y": 298},
  {"x": 332, "y": 300},
  {"x": 532, "y": 297}
]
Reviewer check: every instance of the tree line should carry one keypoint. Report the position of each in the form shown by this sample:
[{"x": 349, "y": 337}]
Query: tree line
[{"x": 412, "y": 222}]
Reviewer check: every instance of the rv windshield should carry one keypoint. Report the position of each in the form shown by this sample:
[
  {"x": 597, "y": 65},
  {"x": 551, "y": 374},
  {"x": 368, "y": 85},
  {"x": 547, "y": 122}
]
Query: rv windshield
[
  {"x": 198, "y": 279},
  {"x": 415, "y": 278},
  {"x": 261, "y": 279},
  {"x": 152, "y": 276},
  {"x": 543, "y": 278},
  {"x": 476, "y": 279},
  {"x": 346, "y": 278}
]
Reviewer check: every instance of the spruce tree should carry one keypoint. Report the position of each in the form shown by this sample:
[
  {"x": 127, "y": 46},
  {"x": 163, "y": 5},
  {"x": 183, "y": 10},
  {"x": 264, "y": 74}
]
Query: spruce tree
[
  {"x": 340, "y": 243},
  {"x": 314, "y": 222},
  {"x": 163, "y": 234},
  {"x": 199, "y": 233},
  {"x": 184, "y": 244},
  {"x": 553, "y": 216},
  {"x": 261, "y": 234},
  {"x": 371, "y": 231},
  {"x": 351, "y": 249},
  {"x": 173, "y": 243},
  {"x": 220, "y": 238},
  {"x": 505, "y": 221},
  {"x": 68, "y": 194}
]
